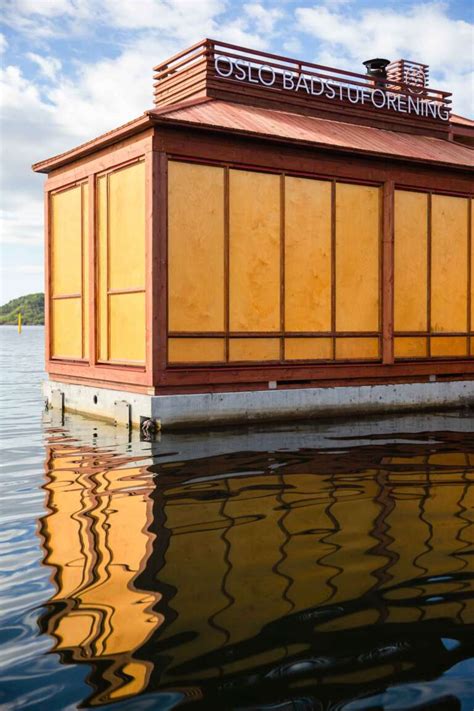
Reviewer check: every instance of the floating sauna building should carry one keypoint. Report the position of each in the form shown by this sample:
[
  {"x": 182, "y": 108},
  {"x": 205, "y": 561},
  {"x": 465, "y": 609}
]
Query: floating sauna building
[{"x": 273, "y": 239}]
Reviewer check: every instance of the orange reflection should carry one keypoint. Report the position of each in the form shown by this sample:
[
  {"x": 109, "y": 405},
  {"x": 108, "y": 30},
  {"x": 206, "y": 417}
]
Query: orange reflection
[
  {"x": 181, "y": 573},
  {"x": 98, "y": 540}
]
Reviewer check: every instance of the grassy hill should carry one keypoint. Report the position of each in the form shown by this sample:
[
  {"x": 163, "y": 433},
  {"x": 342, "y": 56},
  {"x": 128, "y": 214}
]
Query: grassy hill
[{"x": 31, "y": 307}]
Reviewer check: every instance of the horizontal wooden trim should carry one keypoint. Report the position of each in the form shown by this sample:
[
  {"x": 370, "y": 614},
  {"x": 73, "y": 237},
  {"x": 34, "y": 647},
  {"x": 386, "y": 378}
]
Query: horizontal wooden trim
[
  {"x": 116, "y": 373},
  {"x": 432, "y": 334},
  {"x": 298, "y": 173},
  {"x": 57, "y": 297},
  {"x": 123, "y": 166},
  {"x": 122, "y": 363},
  {"x": 262, "y": 372},
  {"x": 117, "y": 138},
  {"x": 132, "y": 290},
  {"x": 430, "y": 359},
  {"x": 300, "y": 361},
  {"x": 69, "y": 361},
  {"x": 103, "y": 160},
  {"x": 302, "y": 159},
  {"x": 274, "y": 171},
  {"x": 68, "y": 186},
  {"x": 449, "y": 193},
  {"x": 275, "y": 334},
  {"x": 286, "y": 385},
  {"x": 103, "y": 384}
]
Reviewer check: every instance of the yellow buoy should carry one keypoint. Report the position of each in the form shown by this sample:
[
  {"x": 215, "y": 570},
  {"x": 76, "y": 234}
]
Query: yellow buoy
[{"x": 19, "y": 322}]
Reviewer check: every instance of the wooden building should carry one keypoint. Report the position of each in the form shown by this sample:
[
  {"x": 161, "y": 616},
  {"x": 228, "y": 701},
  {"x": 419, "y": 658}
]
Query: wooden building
[{"x": 270, "y": 225}]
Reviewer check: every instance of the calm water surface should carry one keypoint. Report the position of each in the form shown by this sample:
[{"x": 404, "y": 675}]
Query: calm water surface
[{"x": 324, "y": 566}]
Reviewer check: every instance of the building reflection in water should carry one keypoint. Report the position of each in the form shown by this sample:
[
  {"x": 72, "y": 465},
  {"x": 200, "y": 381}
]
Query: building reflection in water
[{"x": 251, "y": 578}]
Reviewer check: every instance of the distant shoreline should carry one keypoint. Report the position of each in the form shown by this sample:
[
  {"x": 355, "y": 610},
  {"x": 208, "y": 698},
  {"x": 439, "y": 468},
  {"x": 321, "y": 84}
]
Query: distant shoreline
[{"x": 29, "y": 306}]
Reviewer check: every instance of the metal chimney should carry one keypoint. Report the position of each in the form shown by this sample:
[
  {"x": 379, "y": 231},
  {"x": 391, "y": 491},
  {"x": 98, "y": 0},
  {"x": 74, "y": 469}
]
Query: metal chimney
[{"x": 377, "y": 68}]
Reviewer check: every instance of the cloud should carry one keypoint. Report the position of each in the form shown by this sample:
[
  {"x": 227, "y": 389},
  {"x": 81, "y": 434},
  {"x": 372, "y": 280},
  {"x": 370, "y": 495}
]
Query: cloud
[
  {"x": 423, "y": 32},
  {"x": 265, "y": 18},
  {"x": 54, "y": 98},
  {"x": 82, "y": 99},
  {"x": 48, "y": 66}
]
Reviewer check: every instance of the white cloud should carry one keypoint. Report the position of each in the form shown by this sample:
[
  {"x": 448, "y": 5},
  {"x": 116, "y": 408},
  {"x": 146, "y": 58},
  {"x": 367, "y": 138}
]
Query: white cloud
[
  {"x": 179, "y": 17},
  {"x": 48, "y": 8},
  {"x": 83, "y": 99},
  {"x": 3, "y": 43},
  {"x": 264, "y": 17},
  {"x": 423, "y": 32},
  {"x": 97, "y": 96},
  {"x": 49, "y": 66}
]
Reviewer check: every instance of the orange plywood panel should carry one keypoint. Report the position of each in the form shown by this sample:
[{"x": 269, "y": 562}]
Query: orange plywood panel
[
  {"x": 254, "y": 349},
  {"x": 357, "y": 348},
  {"x": 126, "y": 215},
  {"x": 85, "y": 270},
  {"x": 410, "y": 347},
  {"x": 307, "y": 255},
  {"x": 66, "y": 242},
  {"x": 195, "y": 247},
  {"x": 127, "y": 327},
  {"x": 66, "y": 336},
  {"x": 472, "y": 265},
  {"x": 357, "y": 257},
  {"x": 254, "y": 234},
  {"x": 449, "y": 242},
  {"x": 410, "y": 261},
  {"x": 196, "y": 350},
  {"x": 308, "y": 348},
  {"x": 102, "y": 299},
  {"x": 448, "y": 346}
]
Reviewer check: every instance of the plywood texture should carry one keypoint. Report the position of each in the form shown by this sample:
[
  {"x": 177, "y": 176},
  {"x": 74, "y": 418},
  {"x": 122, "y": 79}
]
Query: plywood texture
[
  {"x": 250, "y": 349},
  {"x": 195, "y": 247},
  {"x": 448, "y": 346},
  {"x": 196, "y": 350},
  {"x": 411, "y": 261},
  {"x": 307, "y": 255},
  {"x": 308, "y": 348},
  {"x": 66, "y": 334},
  {"x": 254, "y": 232},
  {"x": 410, "y": 347},
  {"x": 357, "y": 348},
  {"x": 69, "y": 271},
  {"x": 126, "y": 326},
  {"x": 102, "y": 300},
  {"x": 85, "y": 271},
  {"x": 127, "y": 227},
  {"x": 121, "y": 265},
  {"x": 357, "y": 257},
  {"x": 449, "y": 263},
  {"x": 66, "y": 242}
]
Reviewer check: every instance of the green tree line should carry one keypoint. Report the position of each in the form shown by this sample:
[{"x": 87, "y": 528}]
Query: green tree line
[{"x": 31, "y": 307}]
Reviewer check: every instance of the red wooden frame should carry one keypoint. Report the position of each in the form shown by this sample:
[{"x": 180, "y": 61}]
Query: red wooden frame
[{"x": 158, "y": 145}]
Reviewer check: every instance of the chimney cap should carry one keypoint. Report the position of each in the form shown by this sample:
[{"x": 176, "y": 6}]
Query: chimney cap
[{"x": 376, "y": 65}]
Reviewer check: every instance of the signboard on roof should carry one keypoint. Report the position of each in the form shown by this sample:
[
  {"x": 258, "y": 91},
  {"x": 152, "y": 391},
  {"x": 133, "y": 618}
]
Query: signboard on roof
[{"x": 392, "y": 98}]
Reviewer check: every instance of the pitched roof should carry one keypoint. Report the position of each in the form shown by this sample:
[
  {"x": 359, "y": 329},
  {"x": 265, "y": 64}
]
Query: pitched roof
[
  {"x": 284, "y": 126},
  {"x": 273, "y": 124}
]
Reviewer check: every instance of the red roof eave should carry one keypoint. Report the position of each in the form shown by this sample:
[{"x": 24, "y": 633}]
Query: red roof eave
[
  {"x": 322, "y": 146},
  {"x": 278, "y": 126}
]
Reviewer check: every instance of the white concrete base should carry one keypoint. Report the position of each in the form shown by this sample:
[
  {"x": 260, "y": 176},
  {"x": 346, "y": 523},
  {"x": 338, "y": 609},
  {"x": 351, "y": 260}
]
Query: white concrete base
[{"x": 207, "y": 409}]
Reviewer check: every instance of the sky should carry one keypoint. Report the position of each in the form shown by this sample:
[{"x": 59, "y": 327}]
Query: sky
[{"x": 72, "y": 69}]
